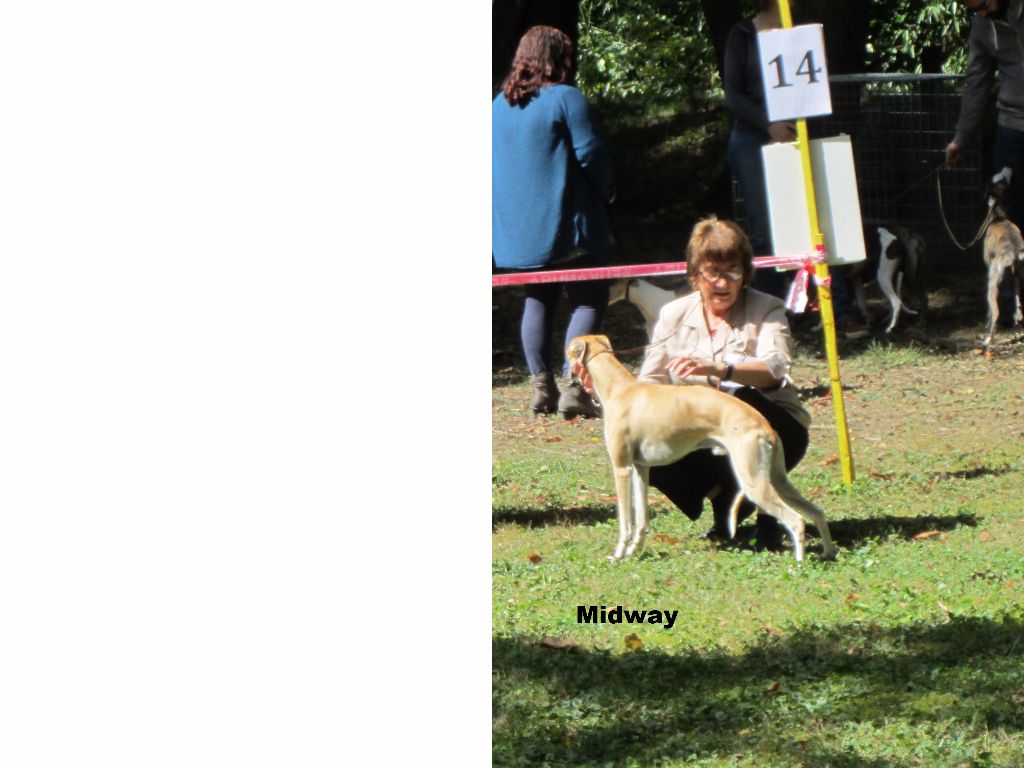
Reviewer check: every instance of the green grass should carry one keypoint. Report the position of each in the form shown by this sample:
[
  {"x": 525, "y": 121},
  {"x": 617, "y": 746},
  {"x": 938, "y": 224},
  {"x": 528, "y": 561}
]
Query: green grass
[{"x": 906, "y": 651}]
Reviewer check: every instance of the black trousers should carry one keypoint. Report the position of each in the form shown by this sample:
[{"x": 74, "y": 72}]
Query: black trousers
[{"x": 688, "y": 481}]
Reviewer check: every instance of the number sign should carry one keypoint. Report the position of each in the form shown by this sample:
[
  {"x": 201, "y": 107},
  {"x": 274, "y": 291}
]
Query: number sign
[{"x": 794, "y": 72}]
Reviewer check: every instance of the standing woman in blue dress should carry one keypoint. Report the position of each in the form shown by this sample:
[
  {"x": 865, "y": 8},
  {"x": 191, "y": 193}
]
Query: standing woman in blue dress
[{"x": 551, "y": 184}]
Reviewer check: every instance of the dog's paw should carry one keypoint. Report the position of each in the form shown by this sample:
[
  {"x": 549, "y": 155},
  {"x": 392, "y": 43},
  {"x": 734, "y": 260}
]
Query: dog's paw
[{"x": 830, "y": 554}]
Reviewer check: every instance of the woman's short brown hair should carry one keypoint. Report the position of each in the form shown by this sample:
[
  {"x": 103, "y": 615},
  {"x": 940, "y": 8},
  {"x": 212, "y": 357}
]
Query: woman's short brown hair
[
  {"x": 544, "y": 57},
  {"x": 720, "y": 243}
]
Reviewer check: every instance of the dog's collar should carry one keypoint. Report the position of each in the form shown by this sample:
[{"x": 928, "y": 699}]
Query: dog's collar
[{"x": 587, "y": 359}]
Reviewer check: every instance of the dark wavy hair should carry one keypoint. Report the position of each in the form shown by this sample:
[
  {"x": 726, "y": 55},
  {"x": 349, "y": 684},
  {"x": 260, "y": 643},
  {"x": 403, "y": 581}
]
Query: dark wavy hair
[
  {"x": 545, "y": 56},
  {"x": 719, "y": 243}
]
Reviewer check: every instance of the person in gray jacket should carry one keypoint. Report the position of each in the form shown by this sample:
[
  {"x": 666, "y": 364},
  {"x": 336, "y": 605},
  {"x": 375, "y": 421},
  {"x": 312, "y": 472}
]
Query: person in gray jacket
[{"x": 996, "y": 44}]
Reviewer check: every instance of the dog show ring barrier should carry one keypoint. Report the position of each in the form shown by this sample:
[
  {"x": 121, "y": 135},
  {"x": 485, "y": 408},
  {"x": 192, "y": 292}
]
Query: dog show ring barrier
[
  {"x": 808, "y": 266},
  {"x": 796, "y": 86}
]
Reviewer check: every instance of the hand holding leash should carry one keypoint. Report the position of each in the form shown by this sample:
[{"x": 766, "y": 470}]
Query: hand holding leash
[
  {"x": 694, "y": 366},
  {"x": 953, "y": 152}
]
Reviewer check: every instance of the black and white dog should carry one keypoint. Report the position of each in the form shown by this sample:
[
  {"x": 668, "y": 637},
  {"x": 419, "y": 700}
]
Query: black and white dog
[
  {"x": 895, "y": 255},
  {"x": 1003, "y": 251}
]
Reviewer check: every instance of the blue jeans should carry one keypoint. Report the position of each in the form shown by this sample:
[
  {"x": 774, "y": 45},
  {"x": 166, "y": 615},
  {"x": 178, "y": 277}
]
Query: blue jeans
[
  {"x": 744, "y": 158},
  {"x": 588, "y": 300}
]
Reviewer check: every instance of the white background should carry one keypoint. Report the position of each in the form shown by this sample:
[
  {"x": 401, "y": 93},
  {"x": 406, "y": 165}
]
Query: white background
[
  {"x": 801, "y": 98},
  {"x": 244, "y": 385}
]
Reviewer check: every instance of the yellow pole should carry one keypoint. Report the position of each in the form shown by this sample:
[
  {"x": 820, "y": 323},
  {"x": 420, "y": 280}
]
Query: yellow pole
[{"x": 828, "y": 322}]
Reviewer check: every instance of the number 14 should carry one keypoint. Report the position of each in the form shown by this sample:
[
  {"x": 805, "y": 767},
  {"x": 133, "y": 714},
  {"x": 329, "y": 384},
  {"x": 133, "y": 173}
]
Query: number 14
[{"x": 806, "y": 68}]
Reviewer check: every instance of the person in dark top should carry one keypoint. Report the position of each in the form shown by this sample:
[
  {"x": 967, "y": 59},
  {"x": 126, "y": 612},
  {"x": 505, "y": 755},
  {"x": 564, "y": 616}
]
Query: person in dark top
[
  {"x": 996, "y": 44},
  {"x": 744, "y": 98},
  {"x": 751, "y": 130},
  {"x": 551, "y": 184}
]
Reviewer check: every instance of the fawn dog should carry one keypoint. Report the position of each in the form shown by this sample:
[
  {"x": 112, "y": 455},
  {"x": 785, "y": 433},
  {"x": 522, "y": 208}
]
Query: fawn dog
[
  {"x": 647, "y": 425},
  {"x": 1003, "y": 251}
]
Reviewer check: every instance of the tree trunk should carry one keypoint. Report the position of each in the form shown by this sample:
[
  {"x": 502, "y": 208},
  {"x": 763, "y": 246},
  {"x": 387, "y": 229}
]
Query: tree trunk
[
  {"x": 721, "y": 15},
  {"x": 511, "y": 18}
]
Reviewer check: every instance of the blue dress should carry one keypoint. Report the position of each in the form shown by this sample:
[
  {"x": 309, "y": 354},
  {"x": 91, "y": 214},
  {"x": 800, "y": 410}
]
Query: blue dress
[{"x": 551, "y": 181}]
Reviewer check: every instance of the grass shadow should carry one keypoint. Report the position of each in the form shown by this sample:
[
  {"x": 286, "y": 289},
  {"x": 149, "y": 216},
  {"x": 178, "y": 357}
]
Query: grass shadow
[
  {"x": 852, "y": 532},
  {"x": 974, "y": 473},
  {"x": 541, "y": 518},
  {"x": 591, "y": 707}
]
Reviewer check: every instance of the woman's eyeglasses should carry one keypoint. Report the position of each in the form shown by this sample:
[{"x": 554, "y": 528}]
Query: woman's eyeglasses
[{"x": 713, "y": 275}]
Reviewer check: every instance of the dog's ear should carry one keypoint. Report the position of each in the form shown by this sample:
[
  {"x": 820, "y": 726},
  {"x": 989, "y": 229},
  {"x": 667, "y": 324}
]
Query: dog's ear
[{"x": 577, "y": 347}]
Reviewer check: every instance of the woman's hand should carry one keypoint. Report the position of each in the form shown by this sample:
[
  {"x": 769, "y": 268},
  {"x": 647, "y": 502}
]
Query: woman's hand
[
  {"x": 694, "y": 366},
  {"x": 784, "y": 131}
]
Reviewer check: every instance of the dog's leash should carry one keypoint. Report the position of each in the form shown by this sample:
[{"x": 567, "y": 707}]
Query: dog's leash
[
  {"x": 907, "y": 191},
  {"x": 945, "y": 223}
]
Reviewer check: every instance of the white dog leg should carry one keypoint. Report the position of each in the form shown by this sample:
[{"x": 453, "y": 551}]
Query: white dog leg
[
  {"x": 623, "y": 488},
  {"x": 734, "y": 511},
  {"x": 640, "y": 526},
  {"x": 886, "y": 270}
]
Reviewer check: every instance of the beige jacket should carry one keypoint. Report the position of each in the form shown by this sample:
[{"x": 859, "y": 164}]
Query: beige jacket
[{"x": 755, "y": 329}]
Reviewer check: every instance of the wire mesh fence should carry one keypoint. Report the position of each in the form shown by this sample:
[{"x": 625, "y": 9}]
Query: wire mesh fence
[{"x": 899, "y": 126}]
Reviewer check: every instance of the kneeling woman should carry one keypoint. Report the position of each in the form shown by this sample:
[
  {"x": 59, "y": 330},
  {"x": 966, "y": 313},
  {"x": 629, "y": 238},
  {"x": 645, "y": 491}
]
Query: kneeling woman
[{"x": 728, "y": 336}]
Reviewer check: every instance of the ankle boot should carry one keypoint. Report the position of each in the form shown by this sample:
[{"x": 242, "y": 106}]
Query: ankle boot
[
  {"x": 544, "y": 398},
  {"x": 575, "y": 401}
]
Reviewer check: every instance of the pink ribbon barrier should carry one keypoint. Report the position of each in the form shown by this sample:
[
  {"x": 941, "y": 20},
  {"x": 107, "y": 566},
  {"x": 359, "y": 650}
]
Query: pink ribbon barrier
[{"x": 636, "y": 270}]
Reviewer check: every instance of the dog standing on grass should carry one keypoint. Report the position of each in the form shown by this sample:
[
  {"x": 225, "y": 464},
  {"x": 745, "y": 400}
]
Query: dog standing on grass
[
  {"x": 647, "y": 424},
  {"x": 1003, "y": 251},
  {"x": 895, "y": 254}
]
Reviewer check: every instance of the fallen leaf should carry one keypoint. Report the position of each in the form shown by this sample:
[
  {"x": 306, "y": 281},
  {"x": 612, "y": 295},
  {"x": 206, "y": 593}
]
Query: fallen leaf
[
  {"x": 633, "y": 643},
  {"x": 557, "y": 643},
  {"x": 852, "y": 597},
  {"x": 829, "y": 460},
  {"x": 552, "y": 439},
  {"x": 773, "y": 687},
  {"x": 881, "y": 475},
  {"x": 944, "y": 609},
  {"x": 666, "y": 539},
  {"x": 772, "y": 631},
  {"x": 925, "y": 535},
  {"x": 985, "y": 536},
  {"x": 534, "y": 558},
  {"x": 851, "y": 651}
]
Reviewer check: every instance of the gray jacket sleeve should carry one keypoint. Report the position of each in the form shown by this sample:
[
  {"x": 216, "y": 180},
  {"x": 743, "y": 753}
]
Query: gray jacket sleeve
[{"x": 981, "y": 67}]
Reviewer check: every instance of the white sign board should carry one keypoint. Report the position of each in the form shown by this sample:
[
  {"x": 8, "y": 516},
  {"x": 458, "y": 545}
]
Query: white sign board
[
  {"x": 835, "y": 195},
  {"x": 794, "y": 72}
]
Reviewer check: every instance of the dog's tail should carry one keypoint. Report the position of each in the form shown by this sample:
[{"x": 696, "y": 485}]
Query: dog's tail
[{"x": 734, "y": 511}]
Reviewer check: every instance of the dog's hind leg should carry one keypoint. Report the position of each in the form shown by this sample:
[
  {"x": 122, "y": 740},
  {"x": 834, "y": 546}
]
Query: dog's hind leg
[
  {"x": 995, "y": 272},
  {"x": 1017, "y": 315},
  {"x": 734, "y": 511},
  {"x": 641, "y": 476},
  {"x": 752, "y": 461},
  {"x": 886, "y": 271},
  {"x": 795, "y": 500}
]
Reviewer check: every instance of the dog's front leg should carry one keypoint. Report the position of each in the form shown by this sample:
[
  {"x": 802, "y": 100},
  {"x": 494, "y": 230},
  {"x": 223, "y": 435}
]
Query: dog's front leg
[
  {"x": 623, "y": 488},
  {"x": 641, "y": 477}
]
